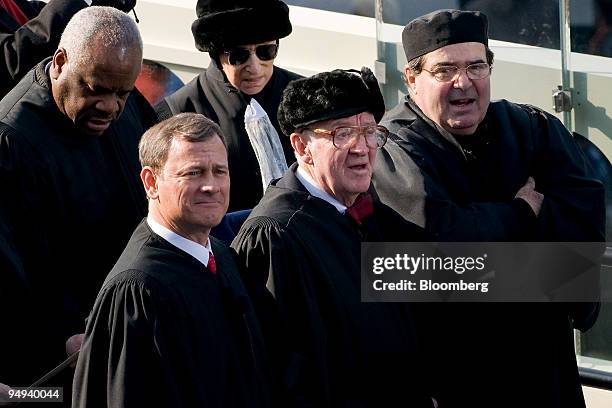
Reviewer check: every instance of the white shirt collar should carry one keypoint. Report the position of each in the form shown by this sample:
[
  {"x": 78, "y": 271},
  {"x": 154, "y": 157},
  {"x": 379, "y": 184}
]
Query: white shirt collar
[
  {"x": 317, "y": 191},
  {"x": 199, "y": 252}
]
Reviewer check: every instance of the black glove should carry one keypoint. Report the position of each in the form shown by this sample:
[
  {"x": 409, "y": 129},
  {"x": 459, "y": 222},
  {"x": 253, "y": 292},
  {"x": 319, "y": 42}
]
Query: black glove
[{"x": 123, "y": 5}]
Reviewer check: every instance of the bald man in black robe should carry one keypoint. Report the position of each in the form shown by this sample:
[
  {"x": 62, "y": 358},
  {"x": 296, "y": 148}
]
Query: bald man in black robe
[{"x": 71, "y": 194}]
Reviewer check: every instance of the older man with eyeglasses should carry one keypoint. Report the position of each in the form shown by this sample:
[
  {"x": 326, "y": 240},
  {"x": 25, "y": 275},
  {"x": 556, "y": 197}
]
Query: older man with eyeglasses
[
  {"x": 468, "y": 169},
  {"x": 303, "y": 242},
  {"x": 242, "y": 39}
]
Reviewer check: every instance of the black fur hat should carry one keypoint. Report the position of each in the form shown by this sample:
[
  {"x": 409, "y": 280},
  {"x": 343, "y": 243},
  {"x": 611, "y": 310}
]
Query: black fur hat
[
  {"x": 441, "y": 28},
  {"x": 329, "y": 95},
  {"x": 227, "y": 23}
]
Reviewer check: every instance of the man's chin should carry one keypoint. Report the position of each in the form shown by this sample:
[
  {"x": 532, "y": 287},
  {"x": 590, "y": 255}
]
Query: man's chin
[
  {"x": 210, "y": 220},
  {"x": 463, "y": 129},
  {"x": 90, "y": 133}
]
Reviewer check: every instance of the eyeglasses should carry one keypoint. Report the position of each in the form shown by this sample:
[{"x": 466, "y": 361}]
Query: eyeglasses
[
  {"x": 375, "y": 136},
  {"x": 238, "y": 55},
  {"x": 448, "y": 73}
]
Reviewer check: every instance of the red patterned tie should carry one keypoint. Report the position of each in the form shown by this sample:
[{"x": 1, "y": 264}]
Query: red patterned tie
[
  {"x": 362, "y": 208},
  {"x": 13, "y": 9},
  {"x": 212, "y": 264}
]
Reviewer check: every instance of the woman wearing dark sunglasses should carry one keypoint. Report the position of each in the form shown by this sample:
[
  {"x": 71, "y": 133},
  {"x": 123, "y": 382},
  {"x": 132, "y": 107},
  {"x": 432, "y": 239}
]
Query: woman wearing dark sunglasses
[{"x": 242, "y": 39}]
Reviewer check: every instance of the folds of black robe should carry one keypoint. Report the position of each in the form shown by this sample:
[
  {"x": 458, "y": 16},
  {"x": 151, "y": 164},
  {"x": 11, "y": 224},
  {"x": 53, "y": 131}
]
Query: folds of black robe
[
  {"x": 463, "y": 189},
  {"x": 329, "y": 348},
  {"x": 69, "y": 205},
  {"x": 210, "y": 94},
  {"x": 166, "y": 332}
]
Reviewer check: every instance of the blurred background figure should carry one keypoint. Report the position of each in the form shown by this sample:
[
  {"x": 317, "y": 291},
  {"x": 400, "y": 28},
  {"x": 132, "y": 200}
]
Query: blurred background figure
[
  {"x": 601, "y": 41},
  {"x": 155, "y": 82}
]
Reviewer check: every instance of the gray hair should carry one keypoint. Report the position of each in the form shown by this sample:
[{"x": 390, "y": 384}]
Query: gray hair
[
  {"x": 155, "y": 143},
  {"x": 100, "y": 26}
]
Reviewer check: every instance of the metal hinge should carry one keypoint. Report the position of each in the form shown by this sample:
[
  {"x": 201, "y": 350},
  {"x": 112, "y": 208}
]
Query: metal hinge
[{"x": 562, "y": 99}]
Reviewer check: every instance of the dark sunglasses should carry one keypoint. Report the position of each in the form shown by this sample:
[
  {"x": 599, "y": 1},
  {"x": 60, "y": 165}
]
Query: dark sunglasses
[{"x": 238, "y": 56}]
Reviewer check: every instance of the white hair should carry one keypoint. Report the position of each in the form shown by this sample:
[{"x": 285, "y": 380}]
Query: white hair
[{"x": 95, "y": 27}]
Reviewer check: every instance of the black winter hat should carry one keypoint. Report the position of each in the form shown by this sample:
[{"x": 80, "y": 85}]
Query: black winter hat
[
  {"x": 227, "y": 23},
  {"x": 441, "y": 28},
  {"x": 329, "y": 95}
]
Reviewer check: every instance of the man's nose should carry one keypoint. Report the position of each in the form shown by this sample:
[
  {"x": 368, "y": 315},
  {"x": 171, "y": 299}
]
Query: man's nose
[
  {"x": 359, "y": 143},
  {"x": 108, "y": 103},
  {"x": 210, "y": 185},
  {"x": 461, "y": 80}
]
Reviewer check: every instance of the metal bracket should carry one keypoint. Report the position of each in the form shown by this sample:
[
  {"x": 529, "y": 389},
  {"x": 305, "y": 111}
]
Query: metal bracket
[{"x": 562, "y": 99}]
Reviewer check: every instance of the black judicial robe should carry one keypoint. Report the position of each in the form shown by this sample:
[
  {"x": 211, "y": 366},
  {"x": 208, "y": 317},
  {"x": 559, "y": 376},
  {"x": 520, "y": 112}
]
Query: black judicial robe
[
  {"x": 24, "y": 46},
  {"x": 166, "y": 332},
  {"x": 69, "y": 205},
  {"x": 502, "y": 355},
  {"x": 210, "y": 94},
  {"x": 462, "y": 189},
  {"x": 330, "y": 349}
]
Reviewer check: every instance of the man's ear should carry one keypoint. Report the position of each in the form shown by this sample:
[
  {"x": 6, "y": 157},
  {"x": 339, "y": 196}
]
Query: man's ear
[
  {"x": 301, "y": 147},
  {"x": 410, "y": 78},
  {"x": 58, "y": 61},
  {"x": 149, "y": 181}
]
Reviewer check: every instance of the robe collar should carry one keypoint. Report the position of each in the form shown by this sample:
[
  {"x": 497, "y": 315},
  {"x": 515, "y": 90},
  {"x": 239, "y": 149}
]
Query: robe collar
[
  {"x": 317, "y": 191},
  {"x": 198, "y": 251},
  {"x": 443, "y": 132}
]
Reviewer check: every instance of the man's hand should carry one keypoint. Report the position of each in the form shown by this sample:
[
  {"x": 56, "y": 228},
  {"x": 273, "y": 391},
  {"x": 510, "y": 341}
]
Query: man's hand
[
  {"x": 73, "y": 344},
  {"x": 123, "y": 5},
  {"x": 531, "y": 196}
]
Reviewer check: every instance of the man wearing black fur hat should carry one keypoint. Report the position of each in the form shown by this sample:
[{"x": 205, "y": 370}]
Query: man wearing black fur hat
[
  {"x": 303, "y": 240},
  {"x": 172, "y": 325},
  {"x": 242, "y": 39},
  {"x": 473, "y": 170}
]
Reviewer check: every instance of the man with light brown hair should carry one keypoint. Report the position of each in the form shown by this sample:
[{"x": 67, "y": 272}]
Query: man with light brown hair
[{"x": 172, "y": 325}]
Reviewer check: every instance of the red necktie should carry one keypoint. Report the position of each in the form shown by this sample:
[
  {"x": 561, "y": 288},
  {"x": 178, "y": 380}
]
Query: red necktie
[
  {"x": 13, "y": 9},
  {"x": 212, "y": 265},
  {"x": 362, "y": 208}
]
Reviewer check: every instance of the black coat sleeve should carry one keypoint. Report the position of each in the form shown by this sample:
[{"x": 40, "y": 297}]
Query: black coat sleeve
[
  {"x": 34, "y": 41},
  {"x": 573, "y": 209},
  {"x": 574, "y": 200},
  {"x": 16, "y": 296},
  {"x": 407, "y": 183},
  {"x": 127, "y": 358},
  {"x": 291, "y": 321},
  {"x": 10, "y": 179}
]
